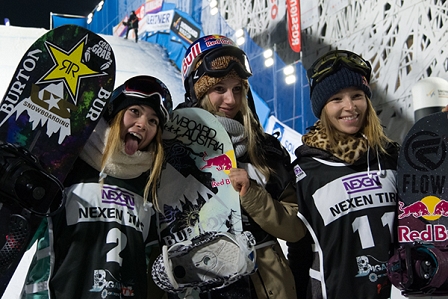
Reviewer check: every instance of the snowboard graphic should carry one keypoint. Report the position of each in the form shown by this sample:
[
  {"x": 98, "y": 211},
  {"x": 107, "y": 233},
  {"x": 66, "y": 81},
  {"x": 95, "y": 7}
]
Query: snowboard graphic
[
  {"x": 195, "y": 191},
  {"x": 420, "y": 266},
  {"x": 197, "y": 199},
  {"x": 52, "y": 105}
]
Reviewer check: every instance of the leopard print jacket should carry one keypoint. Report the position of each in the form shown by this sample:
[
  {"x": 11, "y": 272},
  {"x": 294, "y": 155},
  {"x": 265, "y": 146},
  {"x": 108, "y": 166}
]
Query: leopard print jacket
[{"x": 349, "y": 149}]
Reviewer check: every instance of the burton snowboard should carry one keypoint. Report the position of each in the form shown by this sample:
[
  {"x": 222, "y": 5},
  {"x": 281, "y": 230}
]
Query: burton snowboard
[
  {"x": 52, "y": 105},
  {"x": 420, "y": 265},
  {"x": 197, "y": 199}
]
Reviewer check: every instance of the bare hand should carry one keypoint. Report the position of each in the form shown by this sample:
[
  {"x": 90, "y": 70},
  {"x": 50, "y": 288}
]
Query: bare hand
[{"x": 240, "y": 180}]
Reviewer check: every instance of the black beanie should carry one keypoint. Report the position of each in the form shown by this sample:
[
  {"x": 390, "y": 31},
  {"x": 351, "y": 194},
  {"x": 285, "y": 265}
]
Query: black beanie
[{"x": 343, "y": 78}]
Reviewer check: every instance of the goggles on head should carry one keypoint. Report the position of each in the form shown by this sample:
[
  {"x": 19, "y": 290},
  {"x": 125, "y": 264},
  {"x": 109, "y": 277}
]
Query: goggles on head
[
  {"x": 240, "y": 64},
  {"x": 332, "y": 62},
  {"x": 149, "y": 88}
]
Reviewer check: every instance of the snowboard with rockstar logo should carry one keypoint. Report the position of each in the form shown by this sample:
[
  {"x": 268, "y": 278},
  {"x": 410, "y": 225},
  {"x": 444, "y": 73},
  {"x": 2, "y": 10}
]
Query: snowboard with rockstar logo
[{"x": 53, "y": 103}]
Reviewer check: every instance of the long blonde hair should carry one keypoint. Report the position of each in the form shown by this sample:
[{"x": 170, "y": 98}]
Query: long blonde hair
[
  {"x": 372, "y": 129},
  {"x": 114, "y": 143},
  {"x": 252, "y": 129}
]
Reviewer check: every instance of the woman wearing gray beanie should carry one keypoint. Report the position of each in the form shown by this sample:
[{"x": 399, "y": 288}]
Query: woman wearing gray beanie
[{"x": 345, "y": 173}]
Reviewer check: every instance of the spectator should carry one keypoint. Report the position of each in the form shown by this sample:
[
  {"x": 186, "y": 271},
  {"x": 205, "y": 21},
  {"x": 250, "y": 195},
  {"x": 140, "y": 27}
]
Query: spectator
[{"x": 132, "y": 23}]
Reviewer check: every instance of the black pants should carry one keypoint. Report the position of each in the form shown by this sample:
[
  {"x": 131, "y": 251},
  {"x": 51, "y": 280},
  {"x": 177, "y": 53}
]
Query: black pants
[{"x": 136, "y": 33}]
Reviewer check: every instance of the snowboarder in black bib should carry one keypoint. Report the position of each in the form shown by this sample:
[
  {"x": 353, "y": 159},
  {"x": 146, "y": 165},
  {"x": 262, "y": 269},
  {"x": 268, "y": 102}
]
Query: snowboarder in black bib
[{"x": 346, "y": 183}]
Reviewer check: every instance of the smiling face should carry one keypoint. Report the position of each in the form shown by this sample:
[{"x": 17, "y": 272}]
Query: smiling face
[
  {"x": 226, "y": 96},
  {"x": 138, "y": 128},
  {"x": 346, "y": 110}
]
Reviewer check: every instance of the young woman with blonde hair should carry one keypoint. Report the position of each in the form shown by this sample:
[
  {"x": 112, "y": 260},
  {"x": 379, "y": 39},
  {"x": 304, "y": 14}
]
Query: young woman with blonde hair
[
  {"x": 97, "y": 246},
  {"x": 346, "y": 185},
  {"x": 215, "y": 73}
]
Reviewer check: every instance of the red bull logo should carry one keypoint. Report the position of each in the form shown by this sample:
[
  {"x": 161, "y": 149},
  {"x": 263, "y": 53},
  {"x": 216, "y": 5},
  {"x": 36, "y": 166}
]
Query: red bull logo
[
  {"x": 431, "y": 233},
  {"x": 221, "y": 162},
  {"x": 188, "y": 60},
  {"x": 430, "y": 208},
  {"x": 417, "y": 209}
]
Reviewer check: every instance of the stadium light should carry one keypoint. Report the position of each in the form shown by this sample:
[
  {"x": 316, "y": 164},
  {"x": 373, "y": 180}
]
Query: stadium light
[
  {"x": 100, "y": 6},
  {"x": 268, "y": 60},
  {"x": 89, "y": 18},
  {"x": 214, "y": 11},
  {"x": 239, "y": 35},
  {"x": 290, "y": 77},
  {"x": 213, "y": 7},
  {"x": 239, "y": 32}
]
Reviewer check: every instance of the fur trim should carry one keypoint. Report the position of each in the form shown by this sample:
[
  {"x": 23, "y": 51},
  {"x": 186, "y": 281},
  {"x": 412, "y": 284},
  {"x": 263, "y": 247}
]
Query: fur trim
[{"x": 349, "y": 148}]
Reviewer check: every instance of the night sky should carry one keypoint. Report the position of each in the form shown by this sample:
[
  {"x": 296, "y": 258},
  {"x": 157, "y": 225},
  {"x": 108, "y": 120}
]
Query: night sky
[{"x": 36, "y": 13}]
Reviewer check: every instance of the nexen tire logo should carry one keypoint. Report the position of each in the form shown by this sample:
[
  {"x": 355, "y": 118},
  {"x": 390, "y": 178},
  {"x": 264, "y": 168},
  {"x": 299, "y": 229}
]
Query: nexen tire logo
[
  {"x": 359, "y": 183},
  {"x": 425, "y": 151}
]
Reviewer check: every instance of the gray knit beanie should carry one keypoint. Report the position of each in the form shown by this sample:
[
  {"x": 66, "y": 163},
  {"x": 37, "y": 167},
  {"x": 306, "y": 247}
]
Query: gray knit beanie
[{"x": 343, "y": 78}]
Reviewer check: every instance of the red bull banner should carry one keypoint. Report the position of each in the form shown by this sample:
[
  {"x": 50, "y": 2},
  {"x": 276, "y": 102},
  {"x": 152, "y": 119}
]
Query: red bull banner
[
  {"x": 294, "y": 25},
  {"x": 195, "y": 192}
]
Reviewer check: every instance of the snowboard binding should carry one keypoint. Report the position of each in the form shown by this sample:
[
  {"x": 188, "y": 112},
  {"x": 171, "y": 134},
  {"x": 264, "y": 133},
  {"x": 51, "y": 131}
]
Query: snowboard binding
[
  {"x": 419, "y": 269},
  {"x": 24, "y": 182},
  {"x": 26, "y": 189},
  {"x": 207, "y": 262}
]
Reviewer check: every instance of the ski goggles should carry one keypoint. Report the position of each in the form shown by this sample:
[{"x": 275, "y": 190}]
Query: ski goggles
[
  {"x": 146, "y": 88},
  {"x": 240, "y": 64},
  {"x": 332, "y": 62}
]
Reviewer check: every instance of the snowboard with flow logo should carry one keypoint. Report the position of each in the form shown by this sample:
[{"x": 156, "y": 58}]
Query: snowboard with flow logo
[
  {"x": 421, "y": 264},
  {"x": 53, "y": 103}
]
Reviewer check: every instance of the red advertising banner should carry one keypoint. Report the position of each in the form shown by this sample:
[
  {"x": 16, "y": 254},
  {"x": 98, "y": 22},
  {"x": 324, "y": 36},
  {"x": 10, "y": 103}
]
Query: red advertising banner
[{"x": 294, "y": 25}]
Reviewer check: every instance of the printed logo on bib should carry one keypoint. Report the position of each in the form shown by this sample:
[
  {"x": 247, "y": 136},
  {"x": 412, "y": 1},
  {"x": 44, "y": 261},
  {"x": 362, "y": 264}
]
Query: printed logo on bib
[
  {"x": 300, "y": 174},
  {"x": 107, "y": 285},
  {"x": 121, "y": 197},
  {"x": 371, "y": 267},
  {"x": 104, "y": 203},
  {"x": 355, "y": 193}
]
